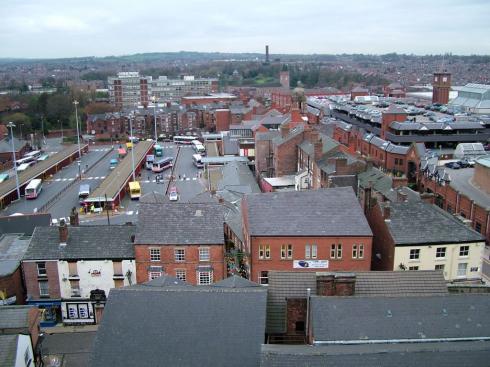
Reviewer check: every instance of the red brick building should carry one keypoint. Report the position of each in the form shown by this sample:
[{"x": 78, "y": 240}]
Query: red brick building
[
  {"x": 395, "y": 90},
  {"x": 441, "y": 86},
  {"x": 314, "y": 230},
  {"x": 358, "y": 92},
  {"x": 212, "y": 98},
  {"x": 184, "y": 240}
]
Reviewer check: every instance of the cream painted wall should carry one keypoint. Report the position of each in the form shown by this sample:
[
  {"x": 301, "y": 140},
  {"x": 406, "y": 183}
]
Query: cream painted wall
[
  {"x": 88, "y": 282},
  {"x": 24, "y": 346},
  {"x": 428, "y": 260}
]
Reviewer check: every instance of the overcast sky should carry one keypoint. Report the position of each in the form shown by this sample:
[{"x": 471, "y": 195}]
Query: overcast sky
[{"x": 65, "y": 28}]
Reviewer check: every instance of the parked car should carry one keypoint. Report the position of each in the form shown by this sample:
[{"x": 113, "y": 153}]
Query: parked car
[
  {"x": 452, "y": 165},
  {"x": 463, "y": 164}
]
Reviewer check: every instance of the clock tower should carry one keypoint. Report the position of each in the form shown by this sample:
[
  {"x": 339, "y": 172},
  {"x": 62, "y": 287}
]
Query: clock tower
[{"x": 441, "y": 85}]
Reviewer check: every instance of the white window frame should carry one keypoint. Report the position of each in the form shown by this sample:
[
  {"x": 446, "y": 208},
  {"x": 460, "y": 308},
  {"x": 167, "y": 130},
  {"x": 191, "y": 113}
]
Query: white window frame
[
  {"x": 354, "y": 251},
  {"x": 443, "y": 252},
  {"x": 41, "y": 294},
  {"x": 263, "y": 280},
  {"x": 416, "y": 251},
  {"x": 181, "y": 274},
  {"x": 283, "y": 252},
  {"x": 267, "y": 252},
  {"x": 460, "y": 267},
  {"x": 154, "y": 274},
  {"x": 307, "y": 251},
  {"x": 45, "y": 274},
  {"x": 289, "y": 251},
  {"x": 204, "y": 254},
  {"x": 440, "y": 267},
  {"x": 155, "y": 254},
  {"x": 314, "y": 251},
  {"x": 261, "y": 252},
  {"x": 339, "y": 251},
  {"x": 333, "y": 251},
  {"x": 361, "y": 251},
  {"x": 179, "y": 255},
  {"x": 413, "y": 268},
  {"x": 464, "y": 249},
  {"x": 203, "y": 273}
]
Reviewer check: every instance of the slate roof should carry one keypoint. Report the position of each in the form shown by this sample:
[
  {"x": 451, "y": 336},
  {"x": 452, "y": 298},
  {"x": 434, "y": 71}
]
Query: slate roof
[
  {"x": 237, "y": 174},
  {"x": 8, "y": 349},
  {"x": 378, "y": 355},
  {"x": 84, "y": 242},
  {"x": 180, "y": 224},
  {"x": 394, "y": 109},
  {"x": 235, "y": 281},
  {"x": 400, "y": 283},
  {"x": 24, "y": 224},
  {"x": 284, "y": 284},
  {"x": 14, "y": 317},
  {"x": 323, "y": 212},
  {"x": 183, "y": 326},
  {"x": 388, "y": 318},
  {"x": 6, "y": 144},
  {"x": 12, "y": 250},
  {"x": 423, "y": 223}
]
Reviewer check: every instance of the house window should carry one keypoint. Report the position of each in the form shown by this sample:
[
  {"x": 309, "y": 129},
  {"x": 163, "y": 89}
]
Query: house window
[
  {"x": 180, "y": 274},
  {"x": 72, "y": 269},
  {"x": 415, "y": 254},
  {"x": 413, "y": 268},
  {"x": 283, "y": 251},
  {"x": 440, "y": 252},
  {"x": 464, "y": 251},
  {"x": 478, "y": 227},
  {"x": 354, "y": 251},
  {"x": 264, "y": 252},
  {"x": 154, "y": 274},
  {"x": 117, "y": 267},
  {"x": 44, "y": 288},
  {"x": 154, "y": 254},
  {"x": 289, "y": 251},
  {"x": 264, "y": 277},
  {"x": 333, "y": 251},
  {"x": 439, "y": 267},
  {"x": 314, "y": 251},
  {"x": 462, "y": 267},
  {"x": 307, "y": 251},
  {"x": 204, "y": 277},
  {"x": 41, "y": 269},
  {"x": 179, "y": 254},
  {"x": 203, "y": 253},
  {"x": 361, "y": 251},
  {"x": 339, "y": 251}
]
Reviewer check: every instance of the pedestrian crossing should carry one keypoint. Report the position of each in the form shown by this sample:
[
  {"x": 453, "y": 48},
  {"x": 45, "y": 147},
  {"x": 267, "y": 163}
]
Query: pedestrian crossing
[
  {"x": 75, "y": 178},
  {"x": 177, "y": 180},
  {"x": 100, "y": 150}
]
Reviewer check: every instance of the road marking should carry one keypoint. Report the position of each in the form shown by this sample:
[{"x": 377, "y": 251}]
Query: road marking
[
  {"x": 70, "y": 179},
  {"x": 129, "y": 213},
  {"x": 194, "y": 178},
  {"x": 96, "y": 177},
  {"x": 102, "y": 177},
  {"x": 90, "y": 178}
]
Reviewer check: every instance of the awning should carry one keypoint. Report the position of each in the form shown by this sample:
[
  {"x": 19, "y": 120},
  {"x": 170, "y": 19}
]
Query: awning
[{"x": 44, "y": 303}]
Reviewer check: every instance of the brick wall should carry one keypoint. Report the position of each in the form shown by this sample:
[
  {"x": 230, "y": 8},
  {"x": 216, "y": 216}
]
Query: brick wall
[
  {"x": 347, "y": 263},
  {"x": 169, "y": 265},
  {"x": 13, "y": 286},
  {"x": 31, "y": 279},
  {"x": 383, "y": 243},
  {"x": 295, "y": 316},
  {"x": 285, "y": 156},
  {"x": 481, "y": 177}
]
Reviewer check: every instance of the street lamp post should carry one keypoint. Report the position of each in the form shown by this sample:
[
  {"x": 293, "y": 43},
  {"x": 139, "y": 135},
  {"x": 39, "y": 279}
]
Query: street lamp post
[
  {"x": 155, "y": 117},
  {"x": 11, "y": 125},
  {"x": 61, "y": 125},
  {"x": 132, "y": 142},
  {"x": 42, "y": 130},
  {"x": 78, "y": 140}
]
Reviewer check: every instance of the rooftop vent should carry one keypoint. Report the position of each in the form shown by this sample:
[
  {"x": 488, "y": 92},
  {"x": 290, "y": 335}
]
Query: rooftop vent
[{"x": 198, "y": 213}]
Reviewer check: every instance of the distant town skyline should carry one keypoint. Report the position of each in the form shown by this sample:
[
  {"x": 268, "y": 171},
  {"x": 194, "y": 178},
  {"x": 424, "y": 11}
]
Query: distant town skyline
[{"x": 55, "y": 29}]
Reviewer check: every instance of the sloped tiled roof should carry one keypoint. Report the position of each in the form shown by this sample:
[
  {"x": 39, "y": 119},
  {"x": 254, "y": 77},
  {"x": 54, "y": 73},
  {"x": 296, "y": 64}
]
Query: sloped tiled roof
[
  {"x": 14, "y": 317},
  {"x": 180, "y": 224},
  {"x": 84, "y": 242}
]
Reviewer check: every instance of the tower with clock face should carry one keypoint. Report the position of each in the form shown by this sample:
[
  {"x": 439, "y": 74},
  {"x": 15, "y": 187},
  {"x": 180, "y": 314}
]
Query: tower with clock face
[{"x": 441, "y": 85}]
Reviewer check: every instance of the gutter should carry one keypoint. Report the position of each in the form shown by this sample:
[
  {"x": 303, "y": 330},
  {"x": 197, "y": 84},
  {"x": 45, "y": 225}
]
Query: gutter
[{"x": 400, "y": 341}]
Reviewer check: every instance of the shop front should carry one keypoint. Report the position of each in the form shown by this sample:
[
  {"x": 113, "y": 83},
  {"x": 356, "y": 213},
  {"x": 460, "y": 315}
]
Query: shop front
[{"x": 50, "y": 311}]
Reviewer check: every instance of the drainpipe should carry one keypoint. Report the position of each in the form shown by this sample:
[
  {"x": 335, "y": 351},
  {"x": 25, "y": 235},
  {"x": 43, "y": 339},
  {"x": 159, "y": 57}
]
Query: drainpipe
[{"x": 308, "y": 293}]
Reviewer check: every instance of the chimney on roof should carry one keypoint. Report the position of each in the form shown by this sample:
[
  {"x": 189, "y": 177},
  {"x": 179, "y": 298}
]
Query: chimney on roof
[
  {"x": 74, "y": 221},
  {"x": 284, "y": 130},
  {"x": 386, "y": 211},
  {"x": 63, "y": 230},
  {"x": 198, "y": 213},
  {"x": 345, "y": 284},
  {"x": 340, "y": 165},
  {"x": 401, "y": 196},
  {"x": 369, "y": 164}
]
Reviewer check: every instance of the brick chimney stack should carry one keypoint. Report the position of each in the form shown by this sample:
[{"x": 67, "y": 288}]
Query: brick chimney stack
[
  {"x": 386, "y": 211},
  {"x": 74, "y": 221},
  {"x": 284, "y": 130},
  {"x": 63, "y": 230},
  {"x": 325, "y": 284},
  {"x": 345, "y": 284}
]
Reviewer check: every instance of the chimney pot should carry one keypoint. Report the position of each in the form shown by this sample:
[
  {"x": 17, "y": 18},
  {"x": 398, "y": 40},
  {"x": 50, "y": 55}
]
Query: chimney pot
[
  {"x": 386, "y": 211},
  {"x": 63, "y": 231}
]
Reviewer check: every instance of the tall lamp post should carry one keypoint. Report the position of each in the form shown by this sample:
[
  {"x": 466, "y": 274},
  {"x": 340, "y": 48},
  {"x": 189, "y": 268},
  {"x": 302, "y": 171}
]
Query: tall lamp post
[
  {"x": 78, "y": 139},
  {"x": 11, "y": 125},
  {"x": 132, "y": 141},
  {"x": 155, "y": 116}
]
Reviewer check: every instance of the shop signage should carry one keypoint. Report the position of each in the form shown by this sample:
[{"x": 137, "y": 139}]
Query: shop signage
[
  {"x": 95, "y": 273},
  {"x": 310, "y": 264}
]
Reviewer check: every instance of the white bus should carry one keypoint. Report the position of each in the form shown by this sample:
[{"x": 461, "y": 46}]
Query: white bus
[
  {"x": 162, "y": 164},
  {"x": 34, "y": 188},
  {"x": 24, "y": 166},
  {"x": 196, "y": 159},
  {"x": 34, "y": 154},
  {"x": 198, "y": 147},
  {"x": 187, "y": 140}
]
